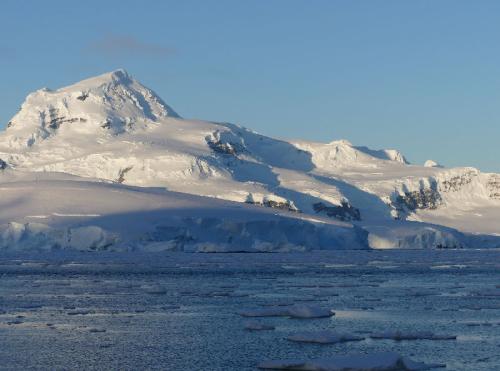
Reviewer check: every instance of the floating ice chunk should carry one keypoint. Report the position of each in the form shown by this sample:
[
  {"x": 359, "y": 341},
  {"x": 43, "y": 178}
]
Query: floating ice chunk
[
  {"x": 420, "y": 335},
  {"x": 309, "y": 311},
  {"x": 358, "y": 362},
  {"x": 256, "y": 326},
  {"x": 78, "y": 312},
  {"x": 265, "y": 312},
  {"x": 323, "y": 337},
  {"x": 294, "y": 311},
  {"x": 96, "y": 330}
]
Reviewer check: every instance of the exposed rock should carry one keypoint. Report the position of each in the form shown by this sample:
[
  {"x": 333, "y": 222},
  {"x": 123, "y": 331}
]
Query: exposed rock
[
  {"x": 287, "y": 205},
  {"x": 345, "y": 211},
  {"x": 275, "y": 203},
  {"x": 83, "y": 96},
  {"x": 121, "y": 174},
  {"x": 52, "y": 119},
  {"x": 106, "y": 124},
  {"x": 224, "y": 143},
  {"x": 455, "y": 183},
  {"x": 224, "y": 148},
  {"x": 493, "y": 185},
  {"x": 427, "y": 198}
]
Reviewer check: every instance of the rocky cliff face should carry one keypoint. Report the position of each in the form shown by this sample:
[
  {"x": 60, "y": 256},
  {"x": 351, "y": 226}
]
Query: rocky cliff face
[
  {"x": 443, "y": 189},
  {"x": 344, "y": 211},
  {"x": 423, "y": 199},
  {"x": 493, "y": 185}
]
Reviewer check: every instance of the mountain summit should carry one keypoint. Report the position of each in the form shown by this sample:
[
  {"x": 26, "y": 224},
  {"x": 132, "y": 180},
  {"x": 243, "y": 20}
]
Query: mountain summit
[
  {"x": 111, "y": 127},
  {"x": 112, "y": 102}
]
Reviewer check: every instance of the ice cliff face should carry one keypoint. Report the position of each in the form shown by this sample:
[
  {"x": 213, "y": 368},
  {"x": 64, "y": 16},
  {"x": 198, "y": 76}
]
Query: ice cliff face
[
  {"x": 47, "y": 211},
  {"x": 113, "y": 128}
]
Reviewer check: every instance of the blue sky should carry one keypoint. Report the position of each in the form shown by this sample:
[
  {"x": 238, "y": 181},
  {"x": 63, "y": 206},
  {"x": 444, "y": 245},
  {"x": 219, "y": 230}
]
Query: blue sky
[{"x": 421, "y": 76}]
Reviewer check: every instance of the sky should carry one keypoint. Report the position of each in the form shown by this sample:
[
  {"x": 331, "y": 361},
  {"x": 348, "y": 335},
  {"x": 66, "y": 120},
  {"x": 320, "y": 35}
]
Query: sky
[{"x": 419, "y": 76}]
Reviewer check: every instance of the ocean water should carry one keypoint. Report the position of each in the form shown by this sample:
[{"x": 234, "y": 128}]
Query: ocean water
[{"x": 177, "y": 311}]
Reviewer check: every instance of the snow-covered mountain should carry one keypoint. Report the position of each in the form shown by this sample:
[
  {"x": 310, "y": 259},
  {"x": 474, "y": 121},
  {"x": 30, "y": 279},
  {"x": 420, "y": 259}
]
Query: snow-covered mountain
[{"x": 113, "y": 128}]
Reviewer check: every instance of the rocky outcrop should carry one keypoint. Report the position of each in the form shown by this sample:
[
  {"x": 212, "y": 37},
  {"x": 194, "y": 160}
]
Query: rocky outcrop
[
  {"x": 219, "y": 143},
  {"x": 426, "y": 198},
  {"x": 344, "y": 212},
  {"x": 493, "y": 186},
  {"x": 455, "y": 183},
  {"x": 53, "y": 120},
  {"x": 83, "y": 96},
  {"x": 287, "y": 205},
  {"x": 121, "y": 174},
  {"x": 223, "y": 148},
  {"x": 272, "y": 202}
]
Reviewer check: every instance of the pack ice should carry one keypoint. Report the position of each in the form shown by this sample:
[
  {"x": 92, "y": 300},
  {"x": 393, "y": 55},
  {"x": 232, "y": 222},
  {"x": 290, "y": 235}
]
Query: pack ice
[
  {"x": 107, "y": 164},
  {"x": 361, "y": 362}
]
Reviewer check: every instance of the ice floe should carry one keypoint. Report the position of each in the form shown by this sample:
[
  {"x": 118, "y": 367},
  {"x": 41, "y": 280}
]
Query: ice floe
[
  {"x": 419, "y": 335},
  {"x": 309, "y": 311},
  {"x": 323, "y": 337},
  {"x": 294, "y": 311},
  {"x": 388, "y": 361}
]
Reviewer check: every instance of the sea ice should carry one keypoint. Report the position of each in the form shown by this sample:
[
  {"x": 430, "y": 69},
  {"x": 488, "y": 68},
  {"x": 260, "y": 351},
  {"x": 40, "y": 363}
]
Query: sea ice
[
  {"x": 309, "y": 311},
  {"x": 359, "y": 362},
  {"x": 265, "y": 312},
  {"x": 294, "y": 311},
  {"x": 323, "y": 337},
  {"x": 421, "y": 335}
]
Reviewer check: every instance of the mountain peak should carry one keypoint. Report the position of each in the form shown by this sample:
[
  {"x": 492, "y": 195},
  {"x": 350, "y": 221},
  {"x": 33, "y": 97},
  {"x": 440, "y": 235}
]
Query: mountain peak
[
  {"x": 111, "y": 103},
  {"x": 116, "y": 77}
]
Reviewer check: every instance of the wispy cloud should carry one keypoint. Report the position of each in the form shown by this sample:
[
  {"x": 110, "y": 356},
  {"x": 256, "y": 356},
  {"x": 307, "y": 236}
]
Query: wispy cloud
[{"x": 124, "y": 45}]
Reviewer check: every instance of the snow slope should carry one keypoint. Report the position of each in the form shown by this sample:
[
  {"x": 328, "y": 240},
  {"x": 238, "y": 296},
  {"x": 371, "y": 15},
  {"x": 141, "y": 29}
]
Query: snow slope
[
  {"x": 48, "y": 211},
  {"x": 113, "y": 128}
]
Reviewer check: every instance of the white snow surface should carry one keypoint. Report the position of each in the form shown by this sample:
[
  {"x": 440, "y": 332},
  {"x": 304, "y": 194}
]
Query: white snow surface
[
  {"x": 431, "y": 163},
  {"x": 112, "y": 130},
  {"x": 47, "y": 211}
]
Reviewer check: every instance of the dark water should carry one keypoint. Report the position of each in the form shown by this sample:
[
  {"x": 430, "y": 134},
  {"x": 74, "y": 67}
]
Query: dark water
[{"x": 178, "y": 311}]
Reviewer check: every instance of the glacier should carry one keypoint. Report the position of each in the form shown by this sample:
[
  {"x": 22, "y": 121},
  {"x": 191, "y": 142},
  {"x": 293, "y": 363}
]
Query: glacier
[{"x": 106, "y": 164}]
